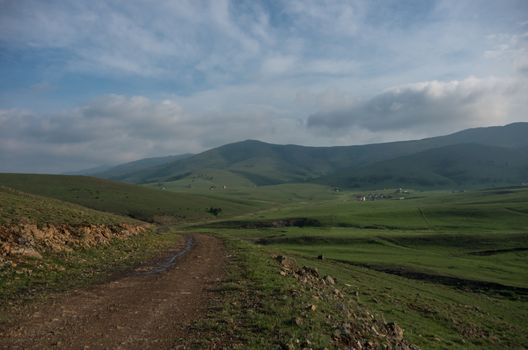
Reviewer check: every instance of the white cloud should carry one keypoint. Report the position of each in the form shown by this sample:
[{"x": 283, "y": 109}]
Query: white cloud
[
  {"x": 433, "y": 105},
  {"x": 114, "y": 129},
  {"x": 218, "y": 71}
]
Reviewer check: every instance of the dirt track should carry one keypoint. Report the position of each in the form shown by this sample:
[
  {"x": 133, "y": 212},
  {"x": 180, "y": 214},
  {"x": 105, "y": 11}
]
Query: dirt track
[{"x": 139, "y": 311}]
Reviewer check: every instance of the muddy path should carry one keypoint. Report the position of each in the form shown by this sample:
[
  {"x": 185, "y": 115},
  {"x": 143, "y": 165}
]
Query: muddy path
[{"x": 151, "y": 308}]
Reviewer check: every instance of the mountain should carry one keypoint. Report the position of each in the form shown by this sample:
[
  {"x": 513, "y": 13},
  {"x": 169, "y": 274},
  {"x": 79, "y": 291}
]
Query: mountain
[
  {"x": 126, "y": 172},
  {"x": 90, "y": 171},
  {"x": 262, "y": 163},
  {"x": 454, "y": 166}
]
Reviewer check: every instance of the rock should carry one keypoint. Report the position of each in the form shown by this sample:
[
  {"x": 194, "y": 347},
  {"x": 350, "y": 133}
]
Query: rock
[
  {"x": 285, "y": 262},
  {"x": 298, "y": 321},
  {"x": 27, "y": 252},
  {"x": 285, "y": 346},
  {"x": 312, "y": 307},
  {"x": 337, "y": 333},
  {"x": 309, "y": 271},
  {"x": 329, "y": 280},
  {"x": 395, "y": 330},
  {"x": 280, "y": 258}
]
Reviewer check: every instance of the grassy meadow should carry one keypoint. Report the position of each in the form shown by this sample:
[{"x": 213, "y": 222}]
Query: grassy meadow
[
  {"x": 452, "y": 268},
  {"x": 143, "y": 203}
]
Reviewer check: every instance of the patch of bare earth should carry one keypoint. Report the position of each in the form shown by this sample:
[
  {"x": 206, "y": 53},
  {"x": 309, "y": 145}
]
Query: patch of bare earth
[{"x": 138, "y": 311}]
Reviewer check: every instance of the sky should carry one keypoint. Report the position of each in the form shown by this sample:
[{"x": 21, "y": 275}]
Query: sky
[{"x": 89, "y": 83}]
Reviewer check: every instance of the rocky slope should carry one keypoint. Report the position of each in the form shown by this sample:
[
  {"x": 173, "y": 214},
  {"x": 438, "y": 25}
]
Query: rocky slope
[
  {"x": 29, "y": 240},
  {"x": 353, "y": 326}
]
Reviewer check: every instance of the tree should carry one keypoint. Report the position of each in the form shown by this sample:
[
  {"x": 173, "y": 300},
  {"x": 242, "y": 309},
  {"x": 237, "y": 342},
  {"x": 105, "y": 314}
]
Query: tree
[{"x": 214, "y": 211}]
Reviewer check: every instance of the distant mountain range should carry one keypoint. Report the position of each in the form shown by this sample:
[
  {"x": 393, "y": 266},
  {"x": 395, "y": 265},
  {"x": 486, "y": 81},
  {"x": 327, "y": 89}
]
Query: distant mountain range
[
  {"x": 122, "y": 171},
  {"x": 489, "y": 156}
]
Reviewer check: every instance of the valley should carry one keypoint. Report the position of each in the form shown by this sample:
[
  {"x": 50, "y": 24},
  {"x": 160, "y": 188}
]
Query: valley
[{"x": 296, "y": 264}]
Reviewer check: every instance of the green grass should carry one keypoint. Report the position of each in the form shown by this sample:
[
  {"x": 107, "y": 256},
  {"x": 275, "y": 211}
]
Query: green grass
[
  {"x": 475, "y": 211},
  {"x": 257, "y": 306},
  {"x": 123, "y": 199},
  {"x": 271, "y": 196},
  {"x": 19, "y": 207},
  {"x": 417, "y": 260}
]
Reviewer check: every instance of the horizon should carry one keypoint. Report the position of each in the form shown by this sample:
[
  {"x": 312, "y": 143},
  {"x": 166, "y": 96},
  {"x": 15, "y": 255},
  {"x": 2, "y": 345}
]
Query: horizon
[
  {"x": 103, "y": 167},
  {"x": 104, "y": 83}
]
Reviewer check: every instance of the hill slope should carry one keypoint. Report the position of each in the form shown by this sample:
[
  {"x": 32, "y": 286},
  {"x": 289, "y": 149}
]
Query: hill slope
[
  {"x": 264, "y": 164},
  {"x": 32, "y": 225},
  {"x": 462, "y": 165},
  {"x": 130, "y": 200},
  {"x": 125, "y": 172}
]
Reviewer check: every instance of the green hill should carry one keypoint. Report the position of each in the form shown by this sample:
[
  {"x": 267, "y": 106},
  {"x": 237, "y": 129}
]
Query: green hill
[
  {"x": 19, "y": 207},
  {"x": 123, "y": 199},
  {"x": 258, "y": 163},
  {"x": 125, "y": 172},
  {"x": 462, "y": 165}
]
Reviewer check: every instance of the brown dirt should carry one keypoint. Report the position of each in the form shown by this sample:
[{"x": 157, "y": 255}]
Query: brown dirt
[
  {"x": 138, "y": 311},
  {"x": 30, "y": 240}
]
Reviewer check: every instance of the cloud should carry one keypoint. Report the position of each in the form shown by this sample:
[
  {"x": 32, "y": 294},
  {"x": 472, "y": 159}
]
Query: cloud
[
  {"x": 431, "y": 105},
  {"x": 115, "y": 128},
  {"x": 134, "y": 37},
  {"x": 512, "y": 49},
  {"x": 183, "y": 76}
]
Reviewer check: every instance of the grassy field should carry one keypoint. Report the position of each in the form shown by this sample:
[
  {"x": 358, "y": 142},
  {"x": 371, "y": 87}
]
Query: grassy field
[
  {"x": 272, "y": 196},
  {"x": 450, "y": 267},
  {"x": 128, "y": 200},
  {"x": 19, "y": 207}
]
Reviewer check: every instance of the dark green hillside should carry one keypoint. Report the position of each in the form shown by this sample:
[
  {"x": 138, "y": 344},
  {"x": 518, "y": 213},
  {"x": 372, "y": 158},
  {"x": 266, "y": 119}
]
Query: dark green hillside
[
  {"x": 463, "y": 165},
  {"x": 124, "y": 199},
  {"x": 510, "y": 136},
  {"x": 259, "y": 162},
  {"x": 125, "y": 172},
  {"x": 266, "y": 164}
]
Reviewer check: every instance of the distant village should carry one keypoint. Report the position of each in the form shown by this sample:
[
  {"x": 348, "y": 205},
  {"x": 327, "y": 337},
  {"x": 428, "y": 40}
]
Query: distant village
[{"x": 398, "y": 194}]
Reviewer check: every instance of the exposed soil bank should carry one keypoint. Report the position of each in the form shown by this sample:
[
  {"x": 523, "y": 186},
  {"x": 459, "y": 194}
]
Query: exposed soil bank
[
  {"x": 140, "y": 311},
  {"x": 30, "y": 240}
]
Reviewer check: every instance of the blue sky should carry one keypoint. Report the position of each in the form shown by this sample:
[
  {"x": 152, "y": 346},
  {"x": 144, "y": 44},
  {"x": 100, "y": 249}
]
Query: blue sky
[{"x": 86, "y": 83}]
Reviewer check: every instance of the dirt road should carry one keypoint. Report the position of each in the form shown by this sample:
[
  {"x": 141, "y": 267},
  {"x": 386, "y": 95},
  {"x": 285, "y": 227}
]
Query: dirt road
[{"x": 145, "y": 310}]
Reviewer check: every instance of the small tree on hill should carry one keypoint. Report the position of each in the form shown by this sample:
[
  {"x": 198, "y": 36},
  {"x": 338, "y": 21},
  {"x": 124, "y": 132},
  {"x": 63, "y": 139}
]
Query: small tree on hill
[{"x": 214, "y": 211}]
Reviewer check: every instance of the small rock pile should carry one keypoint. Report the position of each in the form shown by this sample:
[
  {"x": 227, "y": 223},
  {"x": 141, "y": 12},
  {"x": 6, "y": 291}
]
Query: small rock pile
[
  {"x": 29, "y": 240},
  {"x": 353, "y": 326}
]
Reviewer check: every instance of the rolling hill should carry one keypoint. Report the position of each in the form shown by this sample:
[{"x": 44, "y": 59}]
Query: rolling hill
[
  {"x": 121, "y": 172},
  {"x": 259, "y": 163},
  {"x": 461, "y": 165},
  {"x": 134, "y": 201}
]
